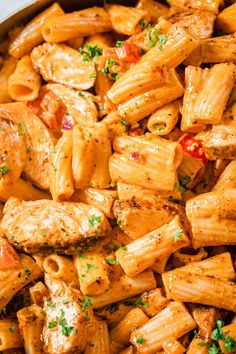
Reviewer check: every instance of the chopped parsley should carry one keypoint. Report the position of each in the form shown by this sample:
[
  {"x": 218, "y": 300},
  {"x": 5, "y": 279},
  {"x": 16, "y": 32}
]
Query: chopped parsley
[
  {"x": 143, "y": 23},
  {"x": 80, "y": 94},
  {"x": 179, "y": 188},
  {"x": 91, "y": 52},
  {"x": 43, "y": 233},
  {"x": 123, "y": 122},
  {"x": 213, "y": 349},
  {"x": 62, "y": 322},
  {"x": 120, "y": 222},
  {"x": 94, "y": 219},
  {"x": 4, "y": 169},
  {"x": 89, "y": 134},
  {"x": 54, "y": 167},
  {"x": 162, "y": 41},
  {"x": 217, "y": 334},
  {"x": 115, "y": 76},
  {"x": 80, "y": 253},
  {"x": 119, "y": 44},
  {"x": 27, "y": 272},
  {"x": 185, "y": 180},
  {"x": 153, "y": 37},
  {"x": 140, "y": 340},
  {"x": 28, "y": 149},
  {"x": 89, "y": 267},
  {"x": 86, "y": 302},
  {"x": 112, "y": 308},
  {"x": 159, "y": 128},
  {"x": 124, "y": 248},
  {"x": 12, "y": 328},
  {"x": 65, "y": 302},
  {"x": 21, "y": 129},
  {"x": 50, "y": 304},
  {"x": 177, "y": 234},
  {"x": 111, "y": 261},
  {"x": 139, "y": 302},
  {"x": 109, "y": 63},
  {"x": 92, "y": 75}
]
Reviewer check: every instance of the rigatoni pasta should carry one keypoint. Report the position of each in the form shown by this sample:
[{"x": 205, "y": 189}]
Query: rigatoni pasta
[{"x": 118, "y": 180}]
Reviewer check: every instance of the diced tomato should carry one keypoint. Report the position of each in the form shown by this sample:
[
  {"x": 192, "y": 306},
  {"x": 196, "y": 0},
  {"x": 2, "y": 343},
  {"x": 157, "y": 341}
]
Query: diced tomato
[
  {"x": 128, "y": 52},
  {"x": 49, "y": 109},
  {"x": 8, "y": 256},
  {"x": 193, "y": 147}
]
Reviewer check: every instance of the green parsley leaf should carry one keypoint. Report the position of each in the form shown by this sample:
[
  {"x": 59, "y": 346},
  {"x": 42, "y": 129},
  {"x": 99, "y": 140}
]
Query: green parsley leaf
[
  {"x": 52, "y": 324},
  {"x": 54, "y": 167},
  {"x": 229, "y": 343},
  {"x": 213, "y": 349},
  {"x": 217, "y": 332},
  {"x": 66, "y": 330},
  {"x": 80, "y": 94},
  {"x": 92, "y": 75},
  {"x": 94, "y": 219},
  {"x": 50, "y": 304},
  {"x": 115, "y": 76},
  {"x": 112, "y": 308},
  {"x": 124, "y": 248},
  {"x": 119, "y": 44},
  {"x": 111, "y": 261},
  {"x": 80, "y": 253},
  {"x": 21, "y": 130},
  {"x": 89, "y": 134},
  {"x": 92, "y": 52},
  {"x": 120, "y": 222},
  {"x": 12, "y": 328},
  {"x": 4, "y": 169},
  {"x": 27, "y": 272},
  {"x": 185, "y": 180},
  {"x": 139, "y": 302},
  {"x": 89, "y": 267},
  {"x": 29, "y": 149},
  {"x": 140, "y": 340},
  {"x": 122, "y": 122},
  {"x": 152, "y": 36},
  {"x": 143, "y": 22},
  {"x": 177, "y": 234},
  {"x": 43, "y": 233},
  {"x": 162, "y": 41},
  {"x": 65, "y": 302},
  {"x": 159, "y": 127},
  {"x": 86, "y": 302}
]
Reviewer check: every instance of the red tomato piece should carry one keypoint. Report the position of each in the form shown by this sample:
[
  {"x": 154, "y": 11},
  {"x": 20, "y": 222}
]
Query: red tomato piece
[
  {"x": 193, "y": 147},
  {"x": 128, "y": 52},
  {"x": 8, "y": 256}
]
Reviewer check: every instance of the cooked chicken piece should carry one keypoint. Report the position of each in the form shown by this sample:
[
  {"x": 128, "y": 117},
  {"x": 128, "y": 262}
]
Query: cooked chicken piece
[
  {"x": 68, "y": 326},
  {"x": 39, "y": 143},
  {"x": 46, "y": 225},
  {"x": 64, "y": 65},
  {"x": 137, "y": 217},
  {"x": 12, "y": 152}
]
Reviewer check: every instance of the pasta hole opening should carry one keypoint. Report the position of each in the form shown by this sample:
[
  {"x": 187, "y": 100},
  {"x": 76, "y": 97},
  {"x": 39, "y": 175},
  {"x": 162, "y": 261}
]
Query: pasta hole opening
[
  {"x": 21, "y": 91},
  {"x": 53, "y": 266}
]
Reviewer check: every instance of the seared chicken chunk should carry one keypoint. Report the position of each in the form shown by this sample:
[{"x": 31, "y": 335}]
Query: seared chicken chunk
[
  {"x": 63, "y": 65},
  {"x": 39, "y": 143},
  {"x": 46, "y": 225}
]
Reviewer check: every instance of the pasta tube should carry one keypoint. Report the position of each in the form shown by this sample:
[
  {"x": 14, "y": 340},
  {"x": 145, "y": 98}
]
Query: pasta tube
[
  {"x": 125, "y": 287},
  {"x": 92, "y": 271},
  {"x": 163, "y": 121},
  {"x": 24, "y": 83},
  {"x": 61, "y": 182},
  {"x": 154, "y": 8},
  {"x": 133, "y": 319},
  {"x": 6, "y": 71},
  {"x": 211, "y": 5},
  {"x": 31, "y": 35},
  {"x": 130, "y": 16},
  {"x": 194, "y": 78},
  {"x": 153, "y": 302},
  {"x": 10, "y": 336},
  {"x": 129, "y": 191},
  {"x": 219, "y": 82},
  {"x": 115, "y": 124},
  {"x": 197, "y": 346},
  {"x": 85, "y": 22},
  {"x": 227, "y": 179},
  {"x": 12, "y": 280},
  {"x": 135, "y": 158},
  {"x": 228, "y": 332},
  {"x": 142, "y": 253},
  {"x": 103, "y": 199},
  {"x": 31, "y": 321},
  {"x": 173, "y": 321},
  {"x": 82, "y": 157},
  {"x": 220, "y": 142},
  {"x": 61, "y": 268},
  {"x": 100, "y": 342},
  {"x": 37, "y": 294},
  {"x": 212, "y": 218},
  {"x": 211, "y": 49},
  {"x": 145, "y": 104},
  {"x": 171, "y": 345},
  {"x": 22, "y": 190},
  {"x": 190, "y": 170},
  {"x": 227, "y": 19}
]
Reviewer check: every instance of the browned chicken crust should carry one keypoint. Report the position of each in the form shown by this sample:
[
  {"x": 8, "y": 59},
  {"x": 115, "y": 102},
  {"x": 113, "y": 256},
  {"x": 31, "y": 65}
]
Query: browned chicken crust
[{"x": 45, "y": 225}]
